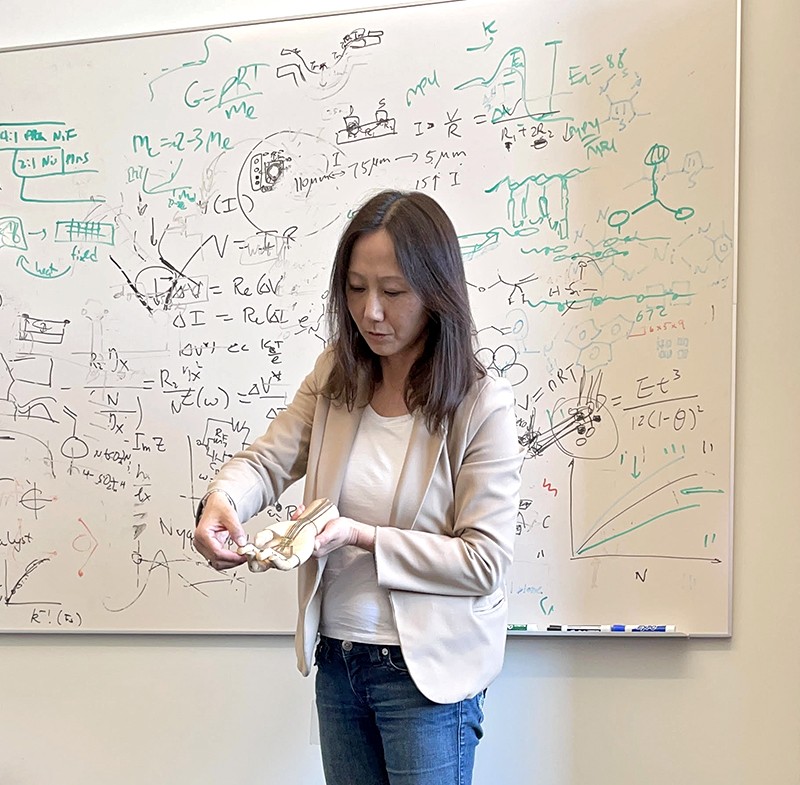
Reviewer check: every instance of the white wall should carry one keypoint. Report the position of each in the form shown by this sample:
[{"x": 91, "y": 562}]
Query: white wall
[{"x": 159, "y": 709}]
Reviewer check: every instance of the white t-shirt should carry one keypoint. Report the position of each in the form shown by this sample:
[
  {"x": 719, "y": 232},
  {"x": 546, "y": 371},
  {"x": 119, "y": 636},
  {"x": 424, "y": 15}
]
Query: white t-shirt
[{"x": 354, "y": 607}]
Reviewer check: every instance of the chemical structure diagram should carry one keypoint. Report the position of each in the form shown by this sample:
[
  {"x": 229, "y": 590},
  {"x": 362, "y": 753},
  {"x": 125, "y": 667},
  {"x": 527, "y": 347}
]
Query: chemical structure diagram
[{"x": 656, "y": 156}]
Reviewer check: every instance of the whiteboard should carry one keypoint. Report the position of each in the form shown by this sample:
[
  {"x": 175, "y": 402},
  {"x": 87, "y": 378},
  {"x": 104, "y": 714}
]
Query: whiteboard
[{"x": 169, "y": 206}]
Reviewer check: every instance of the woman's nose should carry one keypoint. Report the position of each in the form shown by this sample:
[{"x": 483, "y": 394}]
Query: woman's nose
[{"x": 373, "y": 310}]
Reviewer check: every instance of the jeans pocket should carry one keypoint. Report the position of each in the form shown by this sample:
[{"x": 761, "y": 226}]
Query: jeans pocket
[
  {"x": 396, "y": 661},
  {"x": 480, "y": 700},
  {"x": 322, "y": 652}
]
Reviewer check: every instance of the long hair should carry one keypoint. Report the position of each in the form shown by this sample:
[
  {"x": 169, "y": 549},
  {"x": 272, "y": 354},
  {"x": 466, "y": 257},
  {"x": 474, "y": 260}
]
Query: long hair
[{"x": 428, "y": 254}]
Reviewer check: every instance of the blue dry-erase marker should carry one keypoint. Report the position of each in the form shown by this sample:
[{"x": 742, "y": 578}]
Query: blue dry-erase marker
[{"x": 642, "y": 628}]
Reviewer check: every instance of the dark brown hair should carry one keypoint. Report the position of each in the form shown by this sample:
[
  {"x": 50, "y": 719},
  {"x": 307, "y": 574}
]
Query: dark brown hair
[{"x": 428, "y": 254}]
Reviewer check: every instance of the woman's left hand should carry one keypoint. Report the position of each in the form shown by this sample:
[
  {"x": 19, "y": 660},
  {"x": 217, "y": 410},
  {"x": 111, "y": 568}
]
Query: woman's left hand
[{"x": 344, "y": 531}]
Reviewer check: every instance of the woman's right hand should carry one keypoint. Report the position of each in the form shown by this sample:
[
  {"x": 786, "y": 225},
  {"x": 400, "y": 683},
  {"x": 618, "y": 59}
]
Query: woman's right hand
[{"x": 218, "y": 524}]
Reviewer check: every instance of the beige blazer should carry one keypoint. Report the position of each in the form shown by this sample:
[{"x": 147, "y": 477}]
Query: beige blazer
[{"x": 445, "y": 555}]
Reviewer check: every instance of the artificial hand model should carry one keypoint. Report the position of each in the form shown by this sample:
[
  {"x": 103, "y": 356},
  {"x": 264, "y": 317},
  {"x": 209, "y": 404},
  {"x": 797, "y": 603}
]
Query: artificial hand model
[{"x": 287, "y": 544}]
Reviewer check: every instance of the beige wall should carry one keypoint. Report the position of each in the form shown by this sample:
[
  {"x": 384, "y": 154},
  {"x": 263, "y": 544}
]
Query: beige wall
[{"x": 158, "y": 709}]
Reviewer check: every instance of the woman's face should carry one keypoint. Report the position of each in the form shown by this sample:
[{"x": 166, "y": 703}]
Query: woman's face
[{"x": 388, "y": 313}]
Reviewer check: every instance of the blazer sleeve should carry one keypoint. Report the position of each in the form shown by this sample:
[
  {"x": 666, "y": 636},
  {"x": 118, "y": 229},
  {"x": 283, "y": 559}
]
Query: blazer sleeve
[
  {"x": 256, "y": 476},
  {"x": 471, "y": 555}
]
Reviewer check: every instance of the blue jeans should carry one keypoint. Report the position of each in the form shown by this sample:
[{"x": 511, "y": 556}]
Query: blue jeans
[{"x": 377, "y": 728}]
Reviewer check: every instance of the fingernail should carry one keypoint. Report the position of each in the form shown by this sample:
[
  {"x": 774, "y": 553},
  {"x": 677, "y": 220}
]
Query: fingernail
[{"x": 241, "y": 540}]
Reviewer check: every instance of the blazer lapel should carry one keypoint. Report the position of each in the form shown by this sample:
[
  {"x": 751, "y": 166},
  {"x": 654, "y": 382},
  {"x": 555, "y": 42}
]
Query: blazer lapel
[
  {"x": 337, "y": 443},
  {"x": 424, "y": 449}
]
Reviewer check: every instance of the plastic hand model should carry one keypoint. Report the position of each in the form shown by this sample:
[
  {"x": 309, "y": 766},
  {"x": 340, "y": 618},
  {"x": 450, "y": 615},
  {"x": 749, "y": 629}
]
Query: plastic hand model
[{"x": 287, "y": 544}]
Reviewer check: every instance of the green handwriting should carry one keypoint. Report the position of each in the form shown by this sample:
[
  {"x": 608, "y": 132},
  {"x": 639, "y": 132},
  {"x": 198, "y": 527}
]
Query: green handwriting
[
  {"x": 597, "y": 300},
  {"x": 425, "y": 82}
]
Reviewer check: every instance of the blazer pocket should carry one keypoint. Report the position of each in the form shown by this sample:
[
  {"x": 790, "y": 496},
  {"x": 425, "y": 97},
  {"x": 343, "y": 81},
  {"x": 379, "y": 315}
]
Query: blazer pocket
[{"x": 491, "y": 602}]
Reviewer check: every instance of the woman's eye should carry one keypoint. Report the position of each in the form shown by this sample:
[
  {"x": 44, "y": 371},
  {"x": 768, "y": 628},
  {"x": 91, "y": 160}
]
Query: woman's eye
[
  {"x": 392, "y": 294},
  {"x": 355, "y": 288}
]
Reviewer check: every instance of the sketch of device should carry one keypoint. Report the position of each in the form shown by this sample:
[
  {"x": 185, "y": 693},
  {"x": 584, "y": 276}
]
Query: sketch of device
[
  {"x": 580, "y": 426},
  {"x": 359, "y": 38},
  {"x": 266, "y": 169},
  {"x": 353, "y": 130}
]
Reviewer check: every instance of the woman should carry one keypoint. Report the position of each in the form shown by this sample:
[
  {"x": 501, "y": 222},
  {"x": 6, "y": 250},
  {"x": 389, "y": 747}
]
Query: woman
[{"x": 400, "y": 426}]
